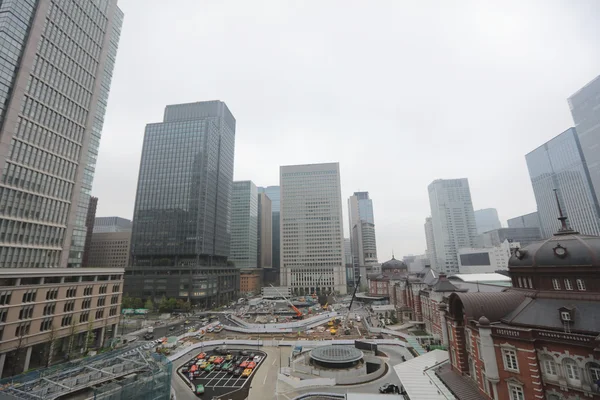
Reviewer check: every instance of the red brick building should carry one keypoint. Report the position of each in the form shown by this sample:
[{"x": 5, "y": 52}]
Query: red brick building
[
  {"x": 537, "y": 340},
  {"x": 382, "y": 284}
]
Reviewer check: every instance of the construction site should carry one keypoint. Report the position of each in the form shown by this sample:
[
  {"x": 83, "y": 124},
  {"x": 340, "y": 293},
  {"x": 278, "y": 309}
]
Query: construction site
[{"x": 129, "y": 373}]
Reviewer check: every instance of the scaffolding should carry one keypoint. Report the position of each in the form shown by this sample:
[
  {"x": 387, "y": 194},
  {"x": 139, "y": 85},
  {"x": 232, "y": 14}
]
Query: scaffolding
[{"x": 136, "y": 373}]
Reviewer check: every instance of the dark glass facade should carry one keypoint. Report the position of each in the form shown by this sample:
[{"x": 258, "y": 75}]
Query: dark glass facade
[
  {"x": 182, "y": 217},
  {"x": 274, "y": 193}
]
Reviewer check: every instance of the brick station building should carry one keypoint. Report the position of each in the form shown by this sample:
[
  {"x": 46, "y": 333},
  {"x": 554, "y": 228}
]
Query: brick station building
[{"x": 539, "y": 339}]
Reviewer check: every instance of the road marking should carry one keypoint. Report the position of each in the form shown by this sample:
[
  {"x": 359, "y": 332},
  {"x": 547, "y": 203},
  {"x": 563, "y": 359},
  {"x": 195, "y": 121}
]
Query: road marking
[
  {"x": 274, "y": 361},
  {"x": 265, "y": 380}
]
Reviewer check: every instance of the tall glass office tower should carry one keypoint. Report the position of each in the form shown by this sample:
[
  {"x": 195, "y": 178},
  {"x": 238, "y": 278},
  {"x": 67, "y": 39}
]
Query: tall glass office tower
[
  {"x": 57, "y": 59},
  {"x": 244, "y": 225},
  {"x": 559, "y": 164},
  {"x": 272, "y": 275},
  {"x": 362, "y": 231},
  {"x": 182, "y": 219}
]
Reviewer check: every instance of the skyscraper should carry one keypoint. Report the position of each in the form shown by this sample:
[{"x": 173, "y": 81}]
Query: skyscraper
[
  {"x": 531, "y": 220},
  {"x": 272, "y": 275},
  {"x": 350, "y": 271},
  {"x": 452, "y": 219},
  {"x": 57, "y": 71},
  {"x": 182, "y": 219},
  {"x": 265, "y": 232},
  {"x": 89, "y": 226},
  {"x": 585, "y": 109},
  {"x": 244, "y": 225},
  {"x": 487, "y": 220},
  {"x": 312, "y": 246},
  {"x": 429, "y": 238},
  {"x": 362, "y": 231},
  {"x": 559, "y": 164}
]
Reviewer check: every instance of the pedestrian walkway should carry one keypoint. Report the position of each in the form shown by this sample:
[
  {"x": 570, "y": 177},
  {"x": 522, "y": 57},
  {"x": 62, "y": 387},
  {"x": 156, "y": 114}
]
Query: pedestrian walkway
[{"x": 414, "y": 343}]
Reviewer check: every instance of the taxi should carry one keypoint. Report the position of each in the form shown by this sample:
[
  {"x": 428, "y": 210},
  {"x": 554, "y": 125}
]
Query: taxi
[{"x": 246, "y": 373}]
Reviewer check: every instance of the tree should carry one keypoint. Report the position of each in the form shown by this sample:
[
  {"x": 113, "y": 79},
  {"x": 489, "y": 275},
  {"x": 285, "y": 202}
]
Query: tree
[
  {"x": 22, "y": 331},
  {"x": 149, "y": 305},
  {"x": 52, "y": 339},
  {"x": 230, "y": 264},
  {"x": 72, "y": 333},
  {"x": 137, "y": 303},
  {"x": 90, "y": 336},
  {"x": 126, "y": 302}
]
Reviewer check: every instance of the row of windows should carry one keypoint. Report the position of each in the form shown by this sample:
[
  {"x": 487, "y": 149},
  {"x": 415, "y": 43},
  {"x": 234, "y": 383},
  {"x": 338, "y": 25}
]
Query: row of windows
[
  {"x": 568, "y": 284},
  {"x": 18, "y": 204},
  {"x": 28, "y": 179},
  {"x": 42, "y": 160},
  {"x": 73, "y": 50},
  {"x": 29, "y": 233},
  {"x": 21, "y": 257},
  {"x": 81, "y": 20}
]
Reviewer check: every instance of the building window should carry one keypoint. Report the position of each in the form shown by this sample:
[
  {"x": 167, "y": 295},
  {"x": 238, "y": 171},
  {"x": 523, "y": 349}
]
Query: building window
[
  {"x": 450, "y": 335},
  {"x": 595, "y": 373},
  {"x": 84, "y": 317},
  {"x": 26, "y": 312},
  {"x": 88, "y": 291},
  {"x": 116, "y": 288},
  {"x": 572, "y": 371},
  {"x": 46, "y": 325},
  {"x": 23, "y": 329},
  {"x": 580, "y": 284},
  {"x": 99, "y": 314},
  {"x": 114, "y": 299},
  {"x": 568, "y": 284},
  {"x": 550, "y": 368},
  {"x": 484, "y": 381},
  {"x": 52, "y": 294},
  {"x": 565, "y": 316},
  {"x": 510, "y": 360},
  {"x": 103, "y": 289},
  {"x": 555, "y": 284},
  {"x": 66, "y": 320},
  {"x": 520, "y": 282},
  {"x": 49, "y": 309},
  {"x": 112, "y": 312},
  {"x": 85, "y": 304},
  {"x": 516, "y": 392},
  {"x": 5, "y": 298},
  {"x": 69, "y": 306},
  {"x": 101, "y": 301},
  {"x": 71, "y": 292},
  {"x": 29, "y": 296},
  {"x": 1, "y": 332},
  {"x": 479, "y": 353},
  {"x": 530, "y": 283},
  {"x": 3, "y": 314}
]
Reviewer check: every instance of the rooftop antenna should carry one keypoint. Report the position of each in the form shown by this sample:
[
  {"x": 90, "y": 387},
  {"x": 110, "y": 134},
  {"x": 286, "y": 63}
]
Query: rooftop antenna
[{"x": 562, "y": 218}]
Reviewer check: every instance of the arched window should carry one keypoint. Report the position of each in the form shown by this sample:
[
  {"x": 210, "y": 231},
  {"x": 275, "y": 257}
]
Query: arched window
[
  {"x": 549, "y": 367},
  {"x": 568, "y": 284},
  {"x": 572, "y": 371},
  {"x": 580, "y": 284},
  {"x": 594, "y": 371}
]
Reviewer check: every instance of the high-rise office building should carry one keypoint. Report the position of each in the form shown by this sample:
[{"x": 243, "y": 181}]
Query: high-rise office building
[
  {"x": 89, "y": 226},
  {"x": 182, "y": 218},
  {"x": 350, "y": 271},
  {"x": 531, "y": 220},
  {"x": 429, "y": 238},
  {"x": 487, "y": 220},
  {"x": 110, "y": 249},
  {"x": 112, "y": 224},
  {"x": 312, "y": 245},
  {"x": 523, "y": 236},
  {"x": 244, "y": 225},
  {"x": 362, "y": 231},
  {"x": 452, "y": 219},
  {"x": 265, "y": 232},
  {"x": 272, "y": 275},
  {"x": 585, "y": 109},
  {"x": 559, "y": 165},
  {"x": 57, "y": 60}
]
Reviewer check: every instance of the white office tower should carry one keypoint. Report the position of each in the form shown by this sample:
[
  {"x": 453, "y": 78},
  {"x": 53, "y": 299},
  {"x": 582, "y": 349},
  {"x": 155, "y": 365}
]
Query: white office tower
[
  {"x": 453, "y": 221},
  {"x": 430, "y": 252},
  {"x": 312, "y": 240},
  {"x": 362, "y": 230}
]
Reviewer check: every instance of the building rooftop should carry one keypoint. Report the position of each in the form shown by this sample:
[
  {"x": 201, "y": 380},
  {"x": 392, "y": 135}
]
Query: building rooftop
[
  {"x": 417, "y": 383},
  {"x": 461, "y": 386},
  {"x": 336, "y": 354},
  {"x": 492, "y": 305},
  {"x": 8, "y": 272}
]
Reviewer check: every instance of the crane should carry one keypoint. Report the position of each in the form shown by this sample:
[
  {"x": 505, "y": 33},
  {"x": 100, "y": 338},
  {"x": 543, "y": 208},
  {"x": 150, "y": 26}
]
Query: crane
[
  {"x": 346, "y": 329},
  {"x": 299, "y": 314}
]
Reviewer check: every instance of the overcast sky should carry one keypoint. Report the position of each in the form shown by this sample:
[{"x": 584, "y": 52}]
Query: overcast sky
[{"x": 398, "y": 92}]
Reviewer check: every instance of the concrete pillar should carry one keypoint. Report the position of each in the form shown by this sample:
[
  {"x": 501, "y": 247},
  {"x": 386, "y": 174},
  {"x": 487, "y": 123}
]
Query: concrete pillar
[
  {"x": 2, "y": 359},
  {"x": 442, "y": 310},
  {"x": 488, "y": 351},
  {"x": 102, "y": 332},
  {"x": 27, "y": 358}
]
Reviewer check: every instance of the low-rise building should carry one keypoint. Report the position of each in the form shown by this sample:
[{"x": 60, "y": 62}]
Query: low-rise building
[
  {"x": 110, "y": 249},
  {"x": 485, "y": 260},
  {"x": 48, "y": 314},
  {"x": 250, "y": 279},
  {"x": 276, "y": 291}
]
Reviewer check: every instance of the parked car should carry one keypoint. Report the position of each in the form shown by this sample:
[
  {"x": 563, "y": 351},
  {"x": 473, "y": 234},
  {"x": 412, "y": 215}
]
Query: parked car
[
  {"x": 246, "y": 373},
  {"x": 251, "y": 364},
  {"x": 389, "y": 388},
  {"x": 257, "y": 359},
  {"x": 251, "y": 355},
  {"x": 237, "y": 372},
  {"x": 203, "y": 365},
  {"x": 229, "y": 357},
  {"x": 201, "y": 356},
  {"x": 212, "y": 358},
  {"x": 209, "y": 367},
  {"x": 244, "y": 364},
  {"x": 200, "y": 389},
  {"x": 243, "y": 353}
]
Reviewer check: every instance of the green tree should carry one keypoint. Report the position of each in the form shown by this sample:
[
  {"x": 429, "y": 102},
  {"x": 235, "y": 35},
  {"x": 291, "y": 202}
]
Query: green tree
[
  {"x": 51, "y": 344},
  {"x": 90, "y": 336},
  {"x": 137, "y": 303},
  {"x": 126, "y": 302},
  {"x": 149, "y": 305},
  {"x": 72, "y": 333}
]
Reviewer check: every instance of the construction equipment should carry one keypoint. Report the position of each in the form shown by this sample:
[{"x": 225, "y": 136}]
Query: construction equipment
[
  {"x": 346, "y": 328},
  {"x": 299, "y": 314}
]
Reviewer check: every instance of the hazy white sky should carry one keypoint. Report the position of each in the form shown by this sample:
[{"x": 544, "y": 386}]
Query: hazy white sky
[{"x": 399, "y": 92}]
